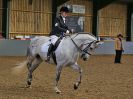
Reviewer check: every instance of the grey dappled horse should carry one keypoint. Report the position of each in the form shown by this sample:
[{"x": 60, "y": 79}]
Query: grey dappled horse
[{"x": 67, "y": 54}]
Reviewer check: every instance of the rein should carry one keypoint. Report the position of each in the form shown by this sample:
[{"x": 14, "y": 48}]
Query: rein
[{"x": 84, "y": 50}]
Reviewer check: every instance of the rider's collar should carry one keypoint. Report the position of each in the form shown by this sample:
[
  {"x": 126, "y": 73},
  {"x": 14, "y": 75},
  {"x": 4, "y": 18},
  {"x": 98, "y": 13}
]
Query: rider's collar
[{"x": 63, "y": 17}]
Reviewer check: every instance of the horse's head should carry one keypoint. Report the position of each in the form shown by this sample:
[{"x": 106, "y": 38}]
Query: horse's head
[
  {"x": 86, "y": 43},
  {"x": 88, "y": 47},
  {"x": 87, "y": 50}
]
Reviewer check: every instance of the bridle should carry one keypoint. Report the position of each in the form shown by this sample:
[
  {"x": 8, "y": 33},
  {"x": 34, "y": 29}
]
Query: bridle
[{"x": 79, "y": 48}]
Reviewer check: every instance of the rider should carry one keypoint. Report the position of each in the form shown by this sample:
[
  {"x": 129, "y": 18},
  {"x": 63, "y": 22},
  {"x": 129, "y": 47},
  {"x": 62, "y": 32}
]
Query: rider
[{"x": 59, "y": 29}]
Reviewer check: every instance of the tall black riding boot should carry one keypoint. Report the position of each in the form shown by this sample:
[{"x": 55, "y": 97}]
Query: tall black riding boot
[{"x": 49, "y": 52}]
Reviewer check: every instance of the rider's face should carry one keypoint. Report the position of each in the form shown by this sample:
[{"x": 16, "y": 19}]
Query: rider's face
[{"x": 64, "y": 14}]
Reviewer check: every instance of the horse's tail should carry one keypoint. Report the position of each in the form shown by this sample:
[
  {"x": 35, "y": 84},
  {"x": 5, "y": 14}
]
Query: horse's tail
[
  {"x": 19, "y": 68},
  {"x": 28, "y": 52}
]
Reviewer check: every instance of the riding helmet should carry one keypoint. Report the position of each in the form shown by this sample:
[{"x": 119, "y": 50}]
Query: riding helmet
[{"x": 64, "y": 9}]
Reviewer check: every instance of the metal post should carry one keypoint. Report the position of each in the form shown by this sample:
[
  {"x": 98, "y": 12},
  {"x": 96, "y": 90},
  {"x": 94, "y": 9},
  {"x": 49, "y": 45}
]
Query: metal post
[
  {"x": 129, "y": 15},
  {"x": 94, "y": 21},
  {"x": 7, "y": 22},
  {"x": 132, "y": 27},
  {"x": 54, "y": 10},
  {"x": 5, "y": 18}
]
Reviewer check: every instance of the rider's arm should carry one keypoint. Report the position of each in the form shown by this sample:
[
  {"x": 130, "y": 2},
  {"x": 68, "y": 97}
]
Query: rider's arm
[{"x": 59, "y": 27}]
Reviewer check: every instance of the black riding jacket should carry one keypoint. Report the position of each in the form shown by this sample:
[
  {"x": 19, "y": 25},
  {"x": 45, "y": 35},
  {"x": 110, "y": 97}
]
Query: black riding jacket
[{"x": 60, "y": 27}]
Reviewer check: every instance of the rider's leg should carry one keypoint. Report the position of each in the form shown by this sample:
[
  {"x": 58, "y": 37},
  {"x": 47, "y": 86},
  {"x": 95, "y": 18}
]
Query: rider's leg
[
  {"x": 51, "y": 46},
  {"x": 54, "y": 38}
]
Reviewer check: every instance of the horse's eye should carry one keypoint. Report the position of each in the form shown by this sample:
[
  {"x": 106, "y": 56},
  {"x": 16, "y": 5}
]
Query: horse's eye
[{"x": 91, "y": 48}]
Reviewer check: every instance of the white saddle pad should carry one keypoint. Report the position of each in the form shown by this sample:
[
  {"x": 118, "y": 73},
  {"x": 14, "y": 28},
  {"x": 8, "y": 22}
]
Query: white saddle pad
[{"x": 45, "y": 46}]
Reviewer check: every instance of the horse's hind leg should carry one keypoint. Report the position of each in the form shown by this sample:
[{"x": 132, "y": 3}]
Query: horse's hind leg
[
  {"x": 31, "y": 68},
  {"x": 77, "y": 68},
  {"x": 30, "y": 57},
  {"x": 29, "y": 61}
]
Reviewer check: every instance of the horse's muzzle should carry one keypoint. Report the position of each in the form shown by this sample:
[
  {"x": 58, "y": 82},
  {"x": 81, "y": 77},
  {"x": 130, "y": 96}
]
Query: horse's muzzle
[{"x": 85, "y": 59}]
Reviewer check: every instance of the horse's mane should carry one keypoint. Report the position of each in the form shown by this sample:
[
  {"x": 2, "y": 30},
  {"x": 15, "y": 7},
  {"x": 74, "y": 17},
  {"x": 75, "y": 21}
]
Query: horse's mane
[{"x": 75, "y": 34}]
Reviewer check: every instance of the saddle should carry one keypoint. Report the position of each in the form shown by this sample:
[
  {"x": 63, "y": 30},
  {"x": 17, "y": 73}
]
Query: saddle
[
  {"x": 57, "y": 43},
  {"x": 54, "y": 48}
]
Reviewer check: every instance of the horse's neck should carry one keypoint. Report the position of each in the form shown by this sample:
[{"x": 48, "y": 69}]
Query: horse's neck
[
  {"x": 68, "y": 48},
  {"x": 79, "y": 39},
  {"x": 67, "y": 43}
]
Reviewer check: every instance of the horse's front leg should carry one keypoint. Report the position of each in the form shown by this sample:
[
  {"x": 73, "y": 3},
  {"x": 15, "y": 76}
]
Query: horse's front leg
[
  {"x": 58, "y": 72},
  {"x": 77, "y": 68}
]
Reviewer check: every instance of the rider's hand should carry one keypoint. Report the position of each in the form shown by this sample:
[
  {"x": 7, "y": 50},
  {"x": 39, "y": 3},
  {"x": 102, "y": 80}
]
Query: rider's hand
[
  {"x": 67, "y": 32},
  {"x": 72, "y": 31}
]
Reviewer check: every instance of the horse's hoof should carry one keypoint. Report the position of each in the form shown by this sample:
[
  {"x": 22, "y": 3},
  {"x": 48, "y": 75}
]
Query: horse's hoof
[
  {"x": 29, "y": 83},
  {"x": 58, "y": 92},
  {"x": 75, "y": 86},
  {"x": 27, "y": 86}
]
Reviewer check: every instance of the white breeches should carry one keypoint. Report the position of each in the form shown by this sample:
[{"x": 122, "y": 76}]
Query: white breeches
[{"x": 53, "y": 38}]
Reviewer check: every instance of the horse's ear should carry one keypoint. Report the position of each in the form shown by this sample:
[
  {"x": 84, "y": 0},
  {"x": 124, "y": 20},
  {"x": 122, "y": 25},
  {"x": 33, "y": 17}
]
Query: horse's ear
[{"x": 99, "y": 42}]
